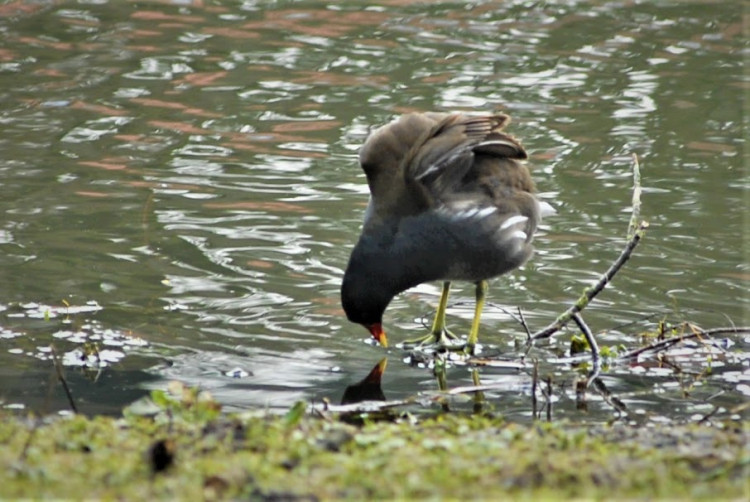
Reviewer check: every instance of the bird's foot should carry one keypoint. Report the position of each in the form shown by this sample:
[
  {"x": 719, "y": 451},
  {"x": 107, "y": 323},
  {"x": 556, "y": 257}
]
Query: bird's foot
[{"x": 441, "y": 339}]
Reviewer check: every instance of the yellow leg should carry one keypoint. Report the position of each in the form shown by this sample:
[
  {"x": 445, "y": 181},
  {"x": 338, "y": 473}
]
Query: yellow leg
[
  {"x": 481, "y": 293},
  {"x": 438, "y": 325},
  {"x": 439, "y": 333}
]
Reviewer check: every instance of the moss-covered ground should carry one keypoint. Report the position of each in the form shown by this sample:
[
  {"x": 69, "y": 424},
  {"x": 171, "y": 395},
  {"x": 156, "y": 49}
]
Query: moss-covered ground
[{"x": 197, "y": 453}]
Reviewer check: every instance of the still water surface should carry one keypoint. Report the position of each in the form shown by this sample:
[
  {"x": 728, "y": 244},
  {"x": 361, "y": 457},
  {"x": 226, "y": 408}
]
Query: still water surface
[{"x": 179, "y": 188}]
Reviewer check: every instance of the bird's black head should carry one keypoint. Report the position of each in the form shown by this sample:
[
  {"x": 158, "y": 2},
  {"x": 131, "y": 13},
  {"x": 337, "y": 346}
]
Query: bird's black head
[{"x": 365, "y": 296}]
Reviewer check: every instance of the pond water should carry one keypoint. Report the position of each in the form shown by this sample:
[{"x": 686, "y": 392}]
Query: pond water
[{"x": 180, "y": 194}]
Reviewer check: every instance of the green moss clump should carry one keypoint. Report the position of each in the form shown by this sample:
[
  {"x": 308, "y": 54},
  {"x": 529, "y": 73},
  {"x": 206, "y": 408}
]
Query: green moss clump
[{"x": 447, "y": 456}]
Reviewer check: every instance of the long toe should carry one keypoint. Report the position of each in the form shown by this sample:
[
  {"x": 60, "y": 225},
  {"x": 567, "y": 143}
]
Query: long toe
[{"x": 444, "y": 339}]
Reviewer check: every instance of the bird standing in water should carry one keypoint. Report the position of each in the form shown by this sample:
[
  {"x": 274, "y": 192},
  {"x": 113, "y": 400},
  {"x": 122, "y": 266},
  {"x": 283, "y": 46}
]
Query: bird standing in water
[{"x": 450, "y": 200}]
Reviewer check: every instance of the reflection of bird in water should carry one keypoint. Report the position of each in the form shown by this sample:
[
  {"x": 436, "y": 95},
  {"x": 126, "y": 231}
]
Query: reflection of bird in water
[
  {"x": 369, "y": 388},
  {"x": 450, "y": 200}
]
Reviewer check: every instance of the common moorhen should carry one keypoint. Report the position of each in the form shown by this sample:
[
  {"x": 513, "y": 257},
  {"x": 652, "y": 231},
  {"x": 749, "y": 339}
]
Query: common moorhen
[{"x": 449, "y": 200}]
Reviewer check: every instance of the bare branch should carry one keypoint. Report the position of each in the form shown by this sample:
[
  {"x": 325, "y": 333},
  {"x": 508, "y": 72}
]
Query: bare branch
[
  {"x": 696, "y": 333},
  {"x": 596, "y": 361},
  {"x": 523, "y": 323},
  {"x": 590, "y": 293},
  {"x": 609, "y": 398},
  {"x": 636, "y": 231},
  {"x": 636, "y": 204}
]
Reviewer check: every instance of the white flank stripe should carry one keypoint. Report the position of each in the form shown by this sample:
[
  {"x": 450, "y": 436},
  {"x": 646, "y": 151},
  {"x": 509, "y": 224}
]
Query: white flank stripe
[
  {"x": 465, "y": 214},
  {"x": 512, "y": 221},
  {"x": 519, "y": 234}
]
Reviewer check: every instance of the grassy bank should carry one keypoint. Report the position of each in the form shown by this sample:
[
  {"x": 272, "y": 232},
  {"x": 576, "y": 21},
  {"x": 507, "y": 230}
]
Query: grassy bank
[{"x": 194, "y": 452}]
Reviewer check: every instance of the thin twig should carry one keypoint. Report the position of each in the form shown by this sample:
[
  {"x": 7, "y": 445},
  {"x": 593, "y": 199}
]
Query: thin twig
[
  {"x": 710, "y": 414},
  {"x": 608, "y": 397},
  {"x": 590, "y": 293},
  {"x": 725, "y": 330},
  {"x": 61, "y": 377},
  {"x": 636, "y": 204},
  {"x": 666, "y": 343},
  {"x": 525, "y": 326}
]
